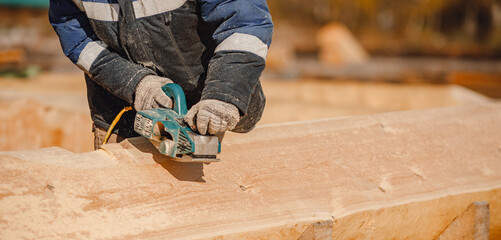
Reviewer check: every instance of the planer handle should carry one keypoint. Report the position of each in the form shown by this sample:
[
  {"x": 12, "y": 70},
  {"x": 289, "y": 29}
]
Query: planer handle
[{"x": 176, "y": 93}]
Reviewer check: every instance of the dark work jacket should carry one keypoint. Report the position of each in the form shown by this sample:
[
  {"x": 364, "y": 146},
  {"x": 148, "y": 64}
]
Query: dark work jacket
[{"x": 214, "y": 49}]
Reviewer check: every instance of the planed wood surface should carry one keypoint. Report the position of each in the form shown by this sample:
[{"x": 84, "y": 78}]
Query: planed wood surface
[{"x": 400, "y": 175}]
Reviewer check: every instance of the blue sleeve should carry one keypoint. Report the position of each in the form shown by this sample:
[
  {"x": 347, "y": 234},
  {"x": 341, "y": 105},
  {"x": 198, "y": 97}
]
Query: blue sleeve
[
  {"x": 81, "y": 45},
  {"x": 238, "y": 16},
  {"x": 72, "y": 27},
  {"x": 243, "y": 33}
]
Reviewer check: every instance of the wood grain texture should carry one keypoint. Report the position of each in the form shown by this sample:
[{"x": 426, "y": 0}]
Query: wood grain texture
[
  {"x": 318, "y": 231},
  {"x": 472, "y": 224},
  {"x": 401, "y": 175}
]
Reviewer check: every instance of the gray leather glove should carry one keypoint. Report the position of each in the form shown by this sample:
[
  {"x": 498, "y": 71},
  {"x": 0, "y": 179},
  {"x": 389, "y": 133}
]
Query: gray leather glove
[
  {"x": 149, "y": 94},
  {"x": 212, "y": 116}
]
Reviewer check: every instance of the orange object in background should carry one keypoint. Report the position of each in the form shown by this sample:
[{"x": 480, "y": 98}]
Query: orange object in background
[
  {"x": 485, "y": 83},
  {"x": 11, "y": 56}
]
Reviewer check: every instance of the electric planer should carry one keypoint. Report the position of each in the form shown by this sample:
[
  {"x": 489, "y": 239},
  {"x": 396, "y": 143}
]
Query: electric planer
[{"x": 172, "y": 136}]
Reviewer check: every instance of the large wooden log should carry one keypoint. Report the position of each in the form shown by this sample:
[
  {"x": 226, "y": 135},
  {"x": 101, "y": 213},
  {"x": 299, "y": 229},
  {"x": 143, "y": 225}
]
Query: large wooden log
[{"x": 401, "y": 175}]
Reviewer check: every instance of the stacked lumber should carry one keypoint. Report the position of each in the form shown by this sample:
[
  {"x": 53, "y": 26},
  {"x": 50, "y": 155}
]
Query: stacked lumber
[{"x": 401, "y": 175}]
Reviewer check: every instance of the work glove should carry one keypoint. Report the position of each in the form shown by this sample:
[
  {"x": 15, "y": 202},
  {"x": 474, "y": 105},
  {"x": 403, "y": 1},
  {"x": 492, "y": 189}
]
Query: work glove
[
  {"x": 149, "y": 93},
  {"x": 212, "y": 116}
]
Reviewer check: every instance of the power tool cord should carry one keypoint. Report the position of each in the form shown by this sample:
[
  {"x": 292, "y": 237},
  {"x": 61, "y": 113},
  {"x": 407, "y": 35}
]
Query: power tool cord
[{"x": 115, "y": 121}]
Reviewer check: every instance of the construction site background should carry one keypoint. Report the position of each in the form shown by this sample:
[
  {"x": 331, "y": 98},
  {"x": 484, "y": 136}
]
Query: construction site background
[
  {"x": 438, "y": 28},
  {"x": 412, "y": 28}
]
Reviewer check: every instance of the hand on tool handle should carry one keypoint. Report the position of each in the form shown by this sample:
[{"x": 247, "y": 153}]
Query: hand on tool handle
[
  {"x": 149, "y": 93},
  {"x": 212, "y": 116}
]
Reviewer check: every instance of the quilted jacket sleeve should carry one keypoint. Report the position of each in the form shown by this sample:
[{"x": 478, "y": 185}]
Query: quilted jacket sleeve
[
  {"x": 80, "y": 44},
  {"x": 243, "y": 36}
]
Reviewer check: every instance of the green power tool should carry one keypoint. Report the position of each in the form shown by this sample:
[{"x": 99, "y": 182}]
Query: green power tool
[{"x": 168, "y": 131}]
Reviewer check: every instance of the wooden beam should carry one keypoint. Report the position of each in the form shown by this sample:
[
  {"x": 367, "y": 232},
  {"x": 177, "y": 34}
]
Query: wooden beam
[
  {"x": 401, "y": 175},
  {"x": 318, "y": 231},
  {"x": 327, "y": 99},
  {"x": 472, "y": 224}
]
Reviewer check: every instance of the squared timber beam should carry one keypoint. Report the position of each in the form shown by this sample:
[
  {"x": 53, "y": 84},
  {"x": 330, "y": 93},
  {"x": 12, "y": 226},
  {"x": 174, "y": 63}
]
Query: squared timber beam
[{"x": 399, "y": 175}]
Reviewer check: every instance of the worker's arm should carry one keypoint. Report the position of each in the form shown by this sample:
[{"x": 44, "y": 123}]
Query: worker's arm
[
  {"x": 80, "y": 44},
  {"x": 243, "y": 35}
]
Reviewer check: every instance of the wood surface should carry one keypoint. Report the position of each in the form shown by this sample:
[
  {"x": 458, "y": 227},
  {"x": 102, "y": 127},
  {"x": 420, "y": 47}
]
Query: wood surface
[
  {"x": 45, "y": 111},
  {"x": 318, "y": 231},
  {"x": 472, "y": 224},
  {"x": 400, "y": 175},
  {"x": 30, "y": 124},
  {"x": 313, "y": 99}
]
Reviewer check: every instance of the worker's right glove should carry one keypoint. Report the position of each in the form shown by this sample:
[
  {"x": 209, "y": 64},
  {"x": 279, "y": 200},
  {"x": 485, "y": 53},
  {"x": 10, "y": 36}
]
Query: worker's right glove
[
  {"x": 212, "y": 116},
  {"x": 149, "y": 93}
]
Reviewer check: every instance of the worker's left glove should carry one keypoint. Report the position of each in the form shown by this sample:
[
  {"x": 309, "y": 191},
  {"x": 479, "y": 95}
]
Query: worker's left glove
[
  {"x": 149, "y": 93},
  {"x": 212, "y": 116}
]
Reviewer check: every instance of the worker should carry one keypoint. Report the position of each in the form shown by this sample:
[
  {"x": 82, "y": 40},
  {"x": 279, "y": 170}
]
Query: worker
[{"x": 214, "y": 49}]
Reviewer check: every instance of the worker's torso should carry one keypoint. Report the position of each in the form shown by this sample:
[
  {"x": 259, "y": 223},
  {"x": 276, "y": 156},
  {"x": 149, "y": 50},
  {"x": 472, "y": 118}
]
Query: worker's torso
[{"x": 167, "y": 36}]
